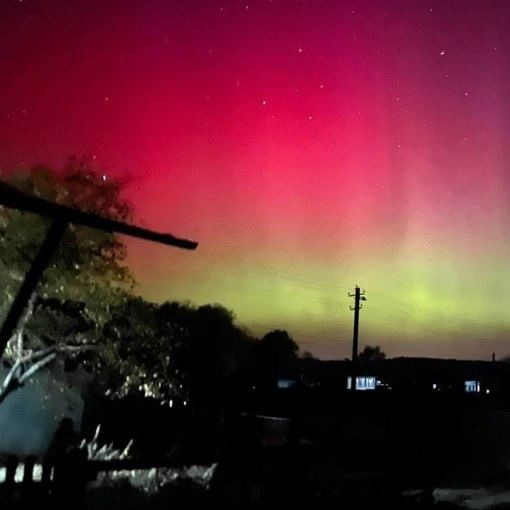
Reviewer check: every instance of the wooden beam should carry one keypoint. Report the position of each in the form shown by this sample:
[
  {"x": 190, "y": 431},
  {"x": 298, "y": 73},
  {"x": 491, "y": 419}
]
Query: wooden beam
[{"x": 13, "y": 198}]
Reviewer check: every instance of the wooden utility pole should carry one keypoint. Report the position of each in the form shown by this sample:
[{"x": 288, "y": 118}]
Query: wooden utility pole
[
  {"x": 61, "y": 216},
  {"x": 358, "y": 297}
]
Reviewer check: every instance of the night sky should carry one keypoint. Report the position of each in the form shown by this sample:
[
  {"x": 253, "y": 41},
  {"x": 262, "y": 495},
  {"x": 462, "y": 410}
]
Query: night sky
[{"x": 308, "y": 145}]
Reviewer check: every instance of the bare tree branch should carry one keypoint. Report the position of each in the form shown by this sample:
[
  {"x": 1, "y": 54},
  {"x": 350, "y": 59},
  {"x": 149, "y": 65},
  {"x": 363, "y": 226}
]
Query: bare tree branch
[{"x": 40, "y": 359}]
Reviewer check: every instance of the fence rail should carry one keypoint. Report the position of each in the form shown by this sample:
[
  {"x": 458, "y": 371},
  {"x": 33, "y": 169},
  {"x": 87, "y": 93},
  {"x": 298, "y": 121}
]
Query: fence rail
[{"x": 24, "y": 480}]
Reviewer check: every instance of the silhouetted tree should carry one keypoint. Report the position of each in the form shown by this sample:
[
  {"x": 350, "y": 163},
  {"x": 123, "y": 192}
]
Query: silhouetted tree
[
  {"x": 136, "y": 353},
  {"x": 370, "y": 353},
  {"x": 209, "y": 349},
  {"x": 274, "y": 355}
]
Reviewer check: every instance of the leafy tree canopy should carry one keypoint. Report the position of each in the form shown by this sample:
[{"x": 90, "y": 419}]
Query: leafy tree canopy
[
  {"x": 209, "y": 348},
  {"x": 275, "y": 355},
  {"x": 87, "y": 268},
  {"x": 88, "y": 265},
  {"x": 370, "y": 353},
  {"x": 172, "y": 349}
]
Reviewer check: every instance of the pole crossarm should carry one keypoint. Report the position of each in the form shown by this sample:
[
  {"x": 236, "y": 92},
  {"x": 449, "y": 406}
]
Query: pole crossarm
[{"x": 15, "y": 199}]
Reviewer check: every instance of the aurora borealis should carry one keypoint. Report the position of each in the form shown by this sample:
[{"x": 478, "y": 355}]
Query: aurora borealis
[{"x": 307, "y": 145}]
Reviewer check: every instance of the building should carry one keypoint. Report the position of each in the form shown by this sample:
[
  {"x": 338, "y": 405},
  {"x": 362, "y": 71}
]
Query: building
[{"x": 408, "y": 375}]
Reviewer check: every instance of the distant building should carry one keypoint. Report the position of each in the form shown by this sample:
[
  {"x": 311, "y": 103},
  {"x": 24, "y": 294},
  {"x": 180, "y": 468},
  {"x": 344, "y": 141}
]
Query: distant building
[{"x": 409, "y": 375}]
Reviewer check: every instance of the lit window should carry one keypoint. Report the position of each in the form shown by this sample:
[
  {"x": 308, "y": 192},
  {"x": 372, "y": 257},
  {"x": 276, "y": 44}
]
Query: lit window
[
  {"x": 285, "y": 384},
  {"x": 365, "y": 383},
  {"x": 472, "y": 386}
]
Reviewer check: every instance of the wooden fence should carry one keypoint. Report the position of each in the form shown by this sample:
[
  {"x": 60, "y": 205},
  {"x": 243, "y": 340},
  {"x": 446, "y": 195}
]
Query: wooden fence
[
  {"x": 30, "y": 480},
  {"x": 62, "y": 481}
]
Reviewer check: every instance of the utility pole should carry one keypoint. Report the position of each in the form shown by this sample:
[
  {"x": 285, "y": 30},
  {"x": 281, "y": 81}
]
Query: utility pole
[{"x": 358, "y": 297}]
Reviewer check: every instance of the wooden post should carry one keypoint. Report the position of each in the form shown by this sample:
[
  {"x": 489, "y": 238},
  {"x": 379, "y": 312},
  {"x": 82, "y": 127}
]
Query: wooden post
[
  {"x": 28, "y": 486},
  {"x": 28, "y": 470},
  {"x": 46, "y": 475},
  {"x": 29, "y": 284},
  {"x": 12, "y": 464},
  {"x": 10, "y": 473}
]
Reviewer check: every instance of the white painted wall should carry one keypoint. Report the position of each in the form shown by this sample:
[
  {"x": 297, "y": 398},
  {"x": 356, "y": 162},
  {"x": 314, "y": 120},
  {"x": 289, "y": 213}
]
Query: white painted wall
[{"x": 30, "y": 415}]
